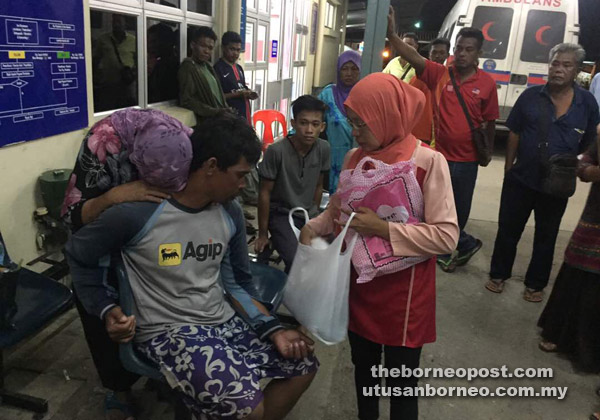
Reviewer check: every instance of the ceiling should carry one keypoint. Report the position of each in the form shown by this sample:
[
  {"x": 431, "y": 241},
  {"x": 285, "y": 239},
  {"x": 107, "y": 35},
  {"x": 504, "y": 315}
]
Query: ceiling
[{"x": 430, "y": 13}]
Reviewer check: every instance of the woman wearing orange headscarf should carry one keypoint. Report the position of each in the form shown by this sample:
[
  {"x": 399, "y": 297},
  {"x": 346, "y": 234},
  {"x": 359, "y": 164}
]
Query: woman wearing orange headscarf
[{"x": 393, "y": 313}]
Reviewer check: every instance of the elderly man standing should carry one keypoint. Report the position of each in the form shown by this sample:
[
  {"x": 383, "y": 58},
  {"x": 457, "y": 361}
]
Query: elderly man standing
[{"x": 556, "y": 119}]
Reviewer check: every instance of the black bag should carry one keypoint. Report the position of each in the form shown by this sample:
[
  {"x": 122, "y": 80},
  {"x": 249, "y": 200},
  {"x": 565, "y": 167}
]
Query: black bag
[
  {"x": 9, "y": 275},
  {"x": 128, "y": 75},
  {"x": 483, "y": 146},
  {"x": 558, "y": 173}
]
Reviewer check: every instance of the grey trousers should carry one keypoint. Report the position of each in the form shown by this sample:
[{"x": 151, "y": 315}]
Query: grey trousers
[{"x": 283, "y": 239}]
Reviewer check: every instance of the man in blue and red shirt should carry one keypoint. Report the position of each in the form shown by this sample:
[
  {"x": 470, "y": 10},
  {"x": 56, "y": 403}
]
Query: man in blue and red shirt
[
  {"x": 452, "y": 132},
  {"x": 231, "y": 76}
]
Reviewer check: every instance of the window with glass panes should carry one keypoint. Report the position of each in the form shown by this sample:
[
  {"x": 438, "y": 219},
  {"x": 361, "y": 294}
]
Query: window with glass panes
[
  {"x": 137, "y": 46},
  {"x": 256, "y": 52},
  {"x": 302, "y": 13},
  {"x": 330, "y": 12}
]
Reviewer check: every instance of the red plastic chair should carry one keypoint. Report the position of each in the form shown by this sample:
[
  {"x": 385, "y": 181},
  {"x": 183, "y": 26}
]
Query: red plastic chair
[{"x": 268, "y": 117}]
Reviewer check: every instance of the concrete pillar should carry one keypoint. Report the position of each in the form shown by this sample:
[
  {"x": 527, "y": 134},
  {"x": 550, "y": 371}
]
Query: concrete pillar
[
  {"x": 375, "y": 31},
  {"x": 234, "y": 15}
]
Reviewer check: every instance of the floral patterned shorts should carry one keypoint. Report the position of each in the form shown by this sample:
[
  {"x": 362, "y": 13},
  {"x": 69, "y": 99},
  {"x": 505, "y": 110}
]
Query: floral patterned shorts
[{"x": 218, "y": 368}]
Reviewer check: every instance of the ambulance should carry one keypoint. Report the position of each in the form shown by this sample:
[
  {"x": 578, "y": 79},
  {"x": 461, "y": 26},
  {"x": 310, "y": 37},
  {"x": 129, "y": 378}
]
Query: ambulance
[{"x": 518, "y": 36}]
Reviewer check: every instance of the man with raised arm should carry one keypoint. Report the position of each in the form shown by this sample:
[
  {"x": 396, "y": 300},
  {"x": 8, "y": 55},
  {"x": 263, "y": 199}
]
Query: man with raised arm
[{"x": 453, "y": 133}]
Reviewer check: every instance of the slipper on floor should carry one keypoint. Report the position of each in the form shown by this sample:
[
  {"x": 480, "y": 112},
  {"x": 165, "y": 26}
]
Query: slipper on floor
[
  {"x": 531, "y": 295},
  {"x": 496, "y": 286},
  {"x": 548, "y": 347},
  {"x": 463, "y": 257},
  {"x": 448, "y": 265}
]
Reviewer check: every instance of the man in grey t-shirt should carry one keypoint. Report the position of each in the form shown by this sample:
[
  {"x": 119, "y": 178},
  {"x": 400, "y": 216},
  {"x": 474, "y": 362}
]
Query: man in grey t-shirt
[
  {"x": 291, "y": 175},
  {"x": 180, "y": 256}
]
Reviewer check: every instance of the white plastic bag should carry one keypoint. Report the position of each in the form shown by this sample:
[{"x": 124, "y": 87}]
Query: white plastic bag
[
  {"x": 318, "y": 286},
  {"x": 291, "y": 219}
]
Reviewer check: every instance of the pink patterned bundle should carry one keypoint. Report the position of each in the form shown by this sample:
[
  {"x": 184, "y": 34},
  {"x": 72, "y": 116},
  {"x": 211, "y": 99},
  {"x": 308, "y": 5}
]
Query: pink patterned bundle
[{"x": 391, "y": 191}]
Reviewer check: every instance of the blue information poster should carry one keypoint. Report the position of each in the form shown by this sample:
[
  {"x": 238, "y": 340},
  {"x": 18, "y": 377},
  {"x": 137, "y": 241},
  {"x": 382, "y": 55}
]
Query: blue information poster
[
  {"x": 42, "y": 69},
  {"x": 243, "y": 26}
]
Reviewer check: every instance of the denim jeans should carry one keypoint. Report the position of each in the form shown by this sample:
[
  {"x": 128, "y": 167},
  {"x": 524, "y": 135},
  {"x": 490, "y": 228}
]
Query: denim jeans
[
  {"x": 463, "y": 176},
  {"x": 516, "y": 205}
]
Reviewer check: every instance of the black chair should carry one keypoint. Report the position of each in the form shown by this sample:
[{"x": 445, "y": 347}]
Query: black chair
[{"x": 39, "y": 299}]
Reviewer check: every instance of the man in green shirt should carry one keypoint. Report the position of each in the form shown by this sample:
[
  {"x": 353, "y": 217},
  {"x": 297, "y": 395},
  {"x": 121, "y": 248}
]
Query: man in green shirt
[{"x": 199, "y": 87}]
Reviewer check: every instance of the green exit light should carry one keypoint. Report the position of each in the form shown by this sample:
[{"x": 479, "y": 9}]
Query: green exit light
[{"x": 418, "y": 24}]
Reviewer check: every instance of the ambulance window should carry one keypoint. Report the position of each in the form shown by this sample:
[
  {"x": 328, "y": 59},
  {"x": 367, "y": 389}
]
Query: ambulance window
[
  {"x": 543, "y": 31},
  {"x": 495, "y": 23}
]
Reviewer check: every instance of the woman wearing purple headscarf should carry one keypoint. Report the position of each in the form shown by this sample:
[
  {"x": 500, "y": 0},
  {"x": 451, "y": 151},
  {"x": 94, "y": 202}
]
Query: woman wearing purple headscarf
[
  {"x": 132, "y": 155},
  {"x": 339, "y": 132}
]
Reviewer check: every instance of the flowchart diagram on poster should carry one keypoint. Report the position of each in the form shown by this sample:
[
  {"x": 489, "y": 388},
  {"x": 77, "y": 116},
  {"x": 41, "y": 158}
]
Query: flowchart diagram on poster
[{"x": 42, "y": 74}]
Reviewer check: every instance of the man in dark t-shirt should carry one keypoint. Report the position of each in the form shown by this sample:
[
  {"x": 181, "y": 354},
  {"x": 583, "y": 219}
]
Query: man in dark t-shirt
[
  {"x": 231, "y": 76},
  {"x": 238, "y": 96}
]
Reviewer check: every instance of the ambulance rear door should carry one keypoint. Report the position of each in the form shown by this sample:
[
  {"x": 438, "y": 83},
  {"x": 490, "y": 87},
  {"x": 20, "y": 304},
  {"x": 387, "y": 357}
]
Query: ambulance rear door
[{"x": 499, "y": 25}]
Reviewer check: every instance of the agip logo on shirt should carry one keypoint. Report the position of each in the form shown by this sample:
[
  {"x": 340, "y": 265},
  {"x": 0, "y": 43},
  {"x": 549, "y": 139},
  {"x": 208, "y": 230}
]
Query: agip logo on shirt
[
  {"x": 169, "y": 254},
  {"x": 203, "y": 252}
]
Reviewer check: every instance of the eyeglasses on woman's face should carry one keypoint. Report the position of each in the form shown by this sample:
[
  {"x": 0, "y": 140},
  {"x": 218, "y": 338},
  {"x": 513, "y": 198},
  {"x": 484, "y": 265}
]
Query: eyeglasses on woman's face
[{"x": 357, "y": 125}]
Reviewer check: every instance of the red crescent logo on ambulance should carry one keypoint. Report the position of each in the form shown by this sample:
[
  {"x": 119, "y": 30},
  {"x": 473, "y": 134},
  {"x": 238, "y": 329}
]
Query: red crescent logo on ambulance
[
  {"x": 539, "y": 35},
  {"x": 486, "y": 29}
]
